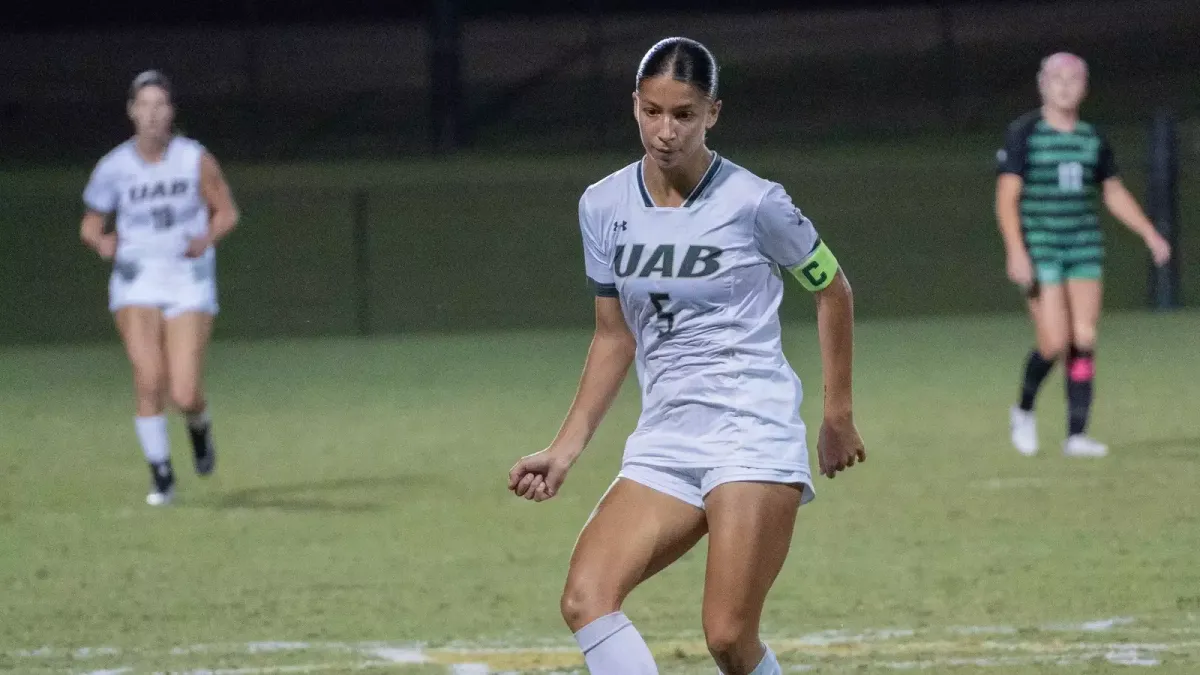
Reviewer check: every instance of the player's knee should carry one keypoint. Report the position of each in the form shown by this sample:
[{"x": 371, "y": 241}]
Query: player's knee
[
  {"x": 1084, "y": 338},
  {"x": 149, "y": 384},
  {"x": 728, "y": 635},
  {"x": 583, "y": 603},
  {"x": 186, "y": 397},
  {"x": 1052, "y": 348}
]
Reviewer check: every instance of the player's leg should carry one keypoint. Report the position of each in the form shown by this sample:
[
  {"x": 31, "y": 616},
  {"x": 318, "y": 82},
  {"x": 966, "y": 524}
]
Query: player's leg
[
  {"x": 635, "y": 532},
  {"x": 187, "y": 335},
  {"x": 750, "y": 532},
  {"x": 1052, "y": 326},
  {"x": 141, "y": 331},
  {"x": 1051, "y": 320},
  {"x": 1084, "y": 294}
]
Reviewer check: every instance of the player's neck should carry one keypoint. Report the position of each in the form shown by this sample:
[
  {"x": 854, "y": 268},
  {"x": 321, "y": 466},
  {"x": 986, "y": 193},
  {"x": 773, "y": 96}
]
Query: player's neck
[
  {"x": 1061, "y": 119},
  {"x": 151, "y": 149},
  {"x": 671, "y": 187}
]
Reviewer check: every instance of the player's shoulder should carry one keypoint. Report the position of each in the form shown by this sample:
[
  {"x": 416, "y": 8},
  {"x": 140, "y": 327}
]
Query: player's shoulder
[
  {"x": 605, "y": 197},
  {"x": 188, "y": 148},
  {"x": 726, "y": 181},
  {"x": 189, "y": 143},
  {"x": 740, "y": 179},
  {"x": 736, "y": 185},
  {"x": 1025, "y": 124},
  {"x": 118, "y": 158},
  {"x": 1089, "y": 129},
  {"x": 613, "y": 186}
]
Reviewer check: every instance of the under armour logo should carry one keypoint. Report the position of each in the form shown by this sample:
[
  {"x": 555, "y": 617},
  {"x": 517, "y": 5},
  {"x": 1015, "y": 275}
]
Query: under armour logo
[{"x": 620, "y": 226}]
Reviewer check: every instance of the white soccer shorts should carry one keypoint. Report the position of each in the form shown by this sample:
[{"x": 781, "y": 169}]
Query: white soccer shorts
[
  {"x": 692, "y": 485},
  {"x": 177, "y": 288}
]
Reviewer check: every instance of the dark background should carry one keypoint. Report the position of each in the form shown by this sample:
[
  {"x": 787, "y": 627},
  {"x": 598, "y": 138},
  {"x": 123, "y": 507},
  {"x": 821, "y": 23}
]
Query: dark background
[
  {"x": 61, "y": 15},
  {"x": 408, "y": 167}
]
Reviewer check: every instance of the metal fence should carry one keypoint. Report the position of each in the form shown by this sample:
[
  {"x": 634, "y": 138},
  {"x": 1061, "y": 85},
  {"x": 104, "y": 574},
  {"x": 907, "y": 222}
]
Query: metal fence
[
  {"x": 489, "y": 239},
  {"x": 468, "y": 245}
]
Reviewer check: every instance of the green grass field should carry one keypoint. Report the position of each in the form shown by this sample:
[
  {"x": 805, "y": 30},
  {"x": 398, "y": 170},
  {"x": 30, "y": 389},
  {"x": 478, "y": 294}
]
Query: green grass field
[{"x": 358, "y": 519}]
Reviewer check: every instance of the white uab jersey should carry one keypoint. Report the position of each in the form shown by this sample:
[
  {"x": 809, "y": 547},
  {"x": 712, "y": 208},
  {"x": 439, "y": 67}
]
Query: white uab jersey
[
  {"x": 159, "y": 209},
  {"x": 700, "y": 287}
]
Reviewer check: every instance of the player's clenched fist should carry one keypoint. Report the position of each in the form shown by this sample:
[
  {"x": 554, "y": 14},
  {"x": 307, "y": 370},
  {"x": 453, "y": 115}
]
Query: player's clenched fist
[
  {"x": 539, "y": 476},
  {"x": 839, "y": 446}
]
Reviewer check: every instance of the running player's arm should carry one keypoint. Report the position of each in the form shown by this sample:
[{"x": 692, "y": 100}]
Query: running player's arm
[
  {"x": 1010, "y": 180},
  {"x": 91, "y": 232},
  {"x": 611, "y": 351},
  {"x": 100, "y": 200},
  {"x": 835, "y": 330},
  {"x": 1117, "y": 198},
  {"x": 789, "y": 239},
  {"x": 607, "y": 363},
  {"x": 1125, "y": 208},
  {"x": 223, "y": 212}
]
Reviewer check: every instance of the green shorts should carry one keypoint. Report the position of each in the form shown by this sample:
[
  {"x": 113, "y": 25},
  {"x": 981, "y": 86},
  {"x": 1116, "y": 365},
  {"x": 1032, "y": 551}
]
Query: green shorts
[
  {"x": 1056, "y": 263},
  {"x": 1059, "y": 255},
  {"x": 1056, "y": 272}
]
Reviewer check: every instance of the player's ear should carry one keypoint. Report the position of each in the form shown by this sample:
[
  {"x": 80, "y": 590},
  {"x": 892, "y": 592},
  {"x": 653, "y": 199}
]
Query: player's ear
[
  {"x": 129, "y": 110},
  {"x": 714, "y": 111},
  {"x": 635, "y": 104}
]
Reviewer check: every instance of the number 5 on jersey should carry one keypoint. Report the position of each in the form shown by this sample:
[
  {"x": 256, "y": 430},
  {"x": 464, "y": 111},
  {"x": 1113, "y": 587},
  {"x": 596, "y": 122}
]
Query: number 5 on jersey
[{"x": 659, "y": 301}]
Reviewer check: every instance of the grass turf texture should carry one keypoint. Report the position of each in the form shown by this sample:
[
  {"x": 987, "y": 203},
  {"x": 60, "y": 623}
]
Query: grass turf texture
[{"x": 359, "y": 498}]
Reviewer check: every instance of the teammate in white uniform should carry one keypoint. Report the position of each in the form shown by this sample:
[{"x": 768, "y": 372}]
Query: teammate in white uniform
[
  {"x": 171, "y": 204},
  {"x": 686, "y": 251}
]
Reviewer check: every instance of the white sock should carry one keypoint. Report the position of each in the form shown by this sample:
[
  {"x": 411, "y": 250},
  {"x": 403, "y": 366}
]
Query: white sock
[
  {"x": 612, "y": 646},
  {"x": 198, "y": 420},
  {"x": 769, "y": 664},
  {"x": 152, "y": 432}
]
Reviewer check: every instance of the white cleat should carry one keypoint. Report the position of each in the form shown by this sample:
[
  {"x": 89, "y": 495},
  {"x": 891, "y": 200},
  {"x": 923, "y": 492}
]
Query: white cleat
[
  {"x": 1023, "y": 425},
  {"x": 160, "y": 498},
  {"x": 1080, "y": 445}
]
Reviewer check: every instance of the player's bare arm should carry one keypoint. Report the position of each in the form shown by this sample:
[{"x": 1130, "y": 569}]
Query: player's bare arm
[
  {"x": 223, "y": 212},
  {"x": 91, "y": 232},
  {"x": 539, "y": 476},
  {"x": 839, "y": 445},
  {"x": 1124, "y": 207},
  {"x": 1008, "y": 218}
]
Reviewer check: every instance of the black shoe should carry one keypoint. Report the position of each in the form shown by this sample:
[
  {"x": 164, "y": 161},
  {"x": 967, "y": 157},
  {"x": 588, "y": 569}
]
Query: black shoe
[
  {"x": 163, "y": 482},
  {"x": 203, "y": 452}
]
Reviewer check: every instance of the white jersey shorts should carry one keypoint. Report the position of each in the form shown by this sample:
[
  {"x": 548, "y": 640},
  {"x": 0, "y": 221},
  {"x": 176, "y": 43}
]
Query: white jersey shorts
[
  {"x": 174, "y": 287},
  {"x": 692, "y": 485}
]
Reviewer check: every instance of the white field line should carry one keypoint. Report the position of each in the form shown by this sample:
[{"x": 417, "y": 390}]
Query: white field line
[
  {"x": 887, "y": 648},
  {"x": 1123, "y": 656},
  {"x": 406, "y": 651},
  {"x": 1059, "y": 654}
]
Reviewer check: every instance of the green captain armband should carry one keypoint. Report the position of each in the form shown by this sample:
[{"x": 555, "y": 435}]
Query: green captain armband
[{"x": 817, "y": 270}]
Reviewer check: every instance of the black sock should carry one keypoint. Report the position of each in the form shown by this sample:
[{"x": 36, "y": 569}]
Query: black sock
[
  {"x": 163, "y": 475},
  {"x": 1081, "y": 369},
  {"x": 1037, "y": 368}
]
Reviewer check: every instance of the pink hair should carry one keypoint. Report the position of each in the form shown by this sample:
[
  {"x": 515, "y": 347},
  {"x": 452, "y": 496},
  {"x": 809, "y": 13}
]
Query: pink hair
[{"x": 1062, "y": 60}]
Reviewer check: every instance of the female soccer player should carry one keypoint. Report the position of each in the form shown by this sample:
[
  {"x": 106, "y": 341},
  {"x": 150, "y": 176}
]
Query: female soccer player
[
  {"x": 685, "y": 250},
  {"x": 171, "y": 205},
  {"x": 1051, "y": 168}
]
